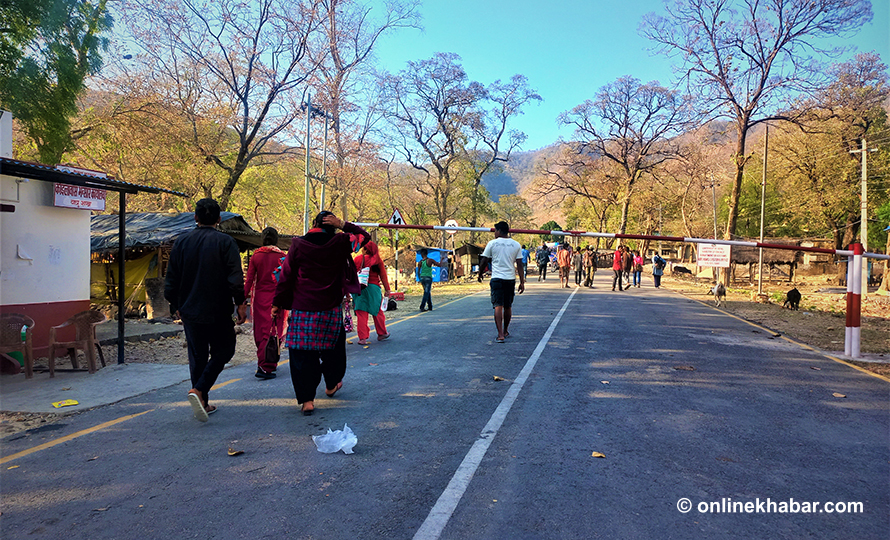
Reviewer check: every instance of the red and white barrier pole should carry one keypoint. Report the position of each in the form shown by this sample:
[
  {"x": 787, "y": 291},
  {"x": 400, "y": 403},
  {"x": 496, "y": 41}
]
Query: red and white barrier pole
[{"x": 853, "y": 328}]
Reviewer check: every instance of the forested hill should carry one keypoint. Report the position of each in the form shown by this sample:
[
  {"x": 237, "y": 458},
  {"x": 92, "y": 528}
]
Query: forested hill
[{"x": 514, "y": 176}]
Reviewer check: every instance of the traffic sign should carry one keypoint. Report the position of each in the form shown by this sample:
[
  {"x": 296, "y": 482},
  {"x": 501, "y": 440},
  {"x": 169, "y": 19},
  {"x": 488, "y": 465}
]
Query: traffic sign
[
  {"x": 451, "y": 223},
  {"x": 396, "y": 218}
]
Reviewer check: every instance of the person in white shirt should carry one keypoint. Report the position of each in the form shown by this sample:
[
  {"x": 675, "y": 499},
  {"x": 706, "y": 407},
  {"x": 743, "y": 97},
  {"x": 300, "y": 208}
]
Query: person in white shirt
[{"x": 502, "y": 254}]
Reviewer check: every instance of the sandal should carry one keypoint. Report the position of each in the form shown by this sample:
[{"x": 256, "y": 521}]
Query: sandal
[
  {"x": 195, "y": 401},
  {"x": 499, "y": 340},
  {"x": 331, "y": 393},
  {"x": 307, "y": 411}
]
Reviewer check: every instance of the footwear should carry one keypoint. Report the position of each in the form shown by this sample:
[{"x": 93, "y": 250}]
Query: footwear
[
  {"x": 197, "y": 405},
  {"x": 506, "y": 334},
  {"x": 383, "y": 337},
  {"x": 422, "y": 310},
  {"x": 260, "y": 374},
  {"x": 211, "y": 409},
  {"x": 307, "y": 411},
  {"x": 499, "y": 340},
  {"x": 331, "y": 393},
  {"x": 363, "y": 342}
]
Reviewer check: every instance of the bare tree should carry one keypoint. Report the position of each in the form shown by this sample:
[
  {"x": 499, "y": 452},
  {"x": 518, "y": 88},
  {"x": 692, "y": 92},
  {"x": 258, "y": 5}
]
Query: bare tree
[
  {"x": 746, "y": 58},
  {"x": 490, "y": 141},
  {"x": 429, "y": 105},
  {"x": 241, "y": 65},
  {"x": 348, "y": 35},
  {"x": 630, "y": 124}
]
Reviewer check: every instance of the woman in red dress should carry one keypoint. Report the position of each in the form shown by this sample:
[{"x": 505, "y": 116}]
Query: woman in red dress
[{"x": 261, "y": 282}]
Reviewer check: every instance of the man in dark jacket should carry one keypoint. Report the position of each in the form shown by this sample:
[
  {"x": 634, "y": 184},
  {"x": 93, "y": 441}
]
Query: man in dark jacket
[{"x": 203, "y": 285}]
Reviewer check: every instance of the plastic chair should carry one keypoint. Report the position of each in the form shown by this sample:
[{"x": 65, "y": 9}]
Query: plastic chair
[
  {"x": 11, "y": 338},
  {"x": 84, "y": 324}
]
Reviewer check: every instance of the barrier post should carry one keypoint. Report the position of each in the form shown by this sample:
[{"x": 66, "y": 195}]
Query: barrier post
[
  {"x": 854, "y": 313},
  {"x": 848, "y": 324}
]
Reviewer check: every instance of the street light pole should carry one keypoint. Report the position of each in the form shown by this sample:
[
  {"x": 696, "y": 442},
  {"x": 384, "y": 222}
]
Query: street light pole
[{"x": 306, "y": 183}]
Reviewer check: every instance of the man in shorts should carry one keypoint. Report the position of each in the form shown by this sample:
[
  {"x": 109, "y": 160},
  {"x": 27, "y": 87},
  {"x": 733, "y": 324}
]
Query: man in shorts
[
  {"x": 564, "y": 260},
  {"x": 502, "y": 254}
]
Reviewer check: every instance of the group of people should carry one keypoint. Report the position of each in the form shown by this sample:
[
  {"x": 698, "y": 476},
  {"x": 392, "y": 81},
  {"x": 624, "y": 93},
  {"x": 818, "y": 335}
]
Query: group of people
[
  {"x": 205, "y": 285},
  {"x": 314, "y": 283}
]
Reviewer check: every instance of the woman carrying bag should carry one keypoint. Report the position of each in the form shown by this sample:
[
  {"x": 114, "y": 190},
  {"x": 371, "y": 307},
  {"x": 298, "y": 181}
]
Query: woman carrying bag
[
  {"x": 259, "y": 288},
  {"x": 370, "y": 300}
]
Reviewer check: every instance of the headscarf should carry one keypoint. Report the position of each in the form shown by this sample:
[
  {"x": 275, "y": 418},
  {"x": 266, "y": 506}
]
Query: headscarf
[{"x": 372, "y": 258}]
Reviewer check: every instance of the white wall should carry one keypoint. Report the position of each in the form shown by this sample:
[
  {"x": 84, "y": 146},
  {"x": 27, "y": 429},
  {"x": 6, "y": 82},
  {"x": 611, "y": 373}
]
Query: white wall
[{"x": 44, "y": 250}]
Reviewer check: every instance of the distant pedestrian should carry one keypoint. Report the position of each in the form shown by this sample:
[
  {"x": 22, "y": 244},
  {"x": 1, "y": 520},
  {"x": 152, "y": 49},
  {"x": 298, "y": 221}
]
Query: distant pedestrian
[
  {"x": 589, "y": 266},
  {"x": 542, "y": 258},
  {"x": 526, "y": 254},
  {"x": 617, "y": 267},
  {"x": 425, "y": 265},
  {"x": 658, "y": 265},
  {"x": 503, "y": 253},
  {"x": 627, "y": 264},
  {"x": 638, "y": 268},
  {"x": 564, "y": 260},
  {"x": 370, "y": 300},
  {"x": 204, "y": 284},
  {"x": 578, "y": 265},
  {"x": 259, "y": 288},
  {"x": 317, "y": 273}
]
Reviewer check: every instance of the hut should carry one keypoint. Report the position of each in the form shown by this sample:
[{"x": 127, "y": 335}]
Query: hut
[
  {"x": 775, "y": 261},
  {"x": 150, "y": 235},
  {"x": 466, "y": 259}
]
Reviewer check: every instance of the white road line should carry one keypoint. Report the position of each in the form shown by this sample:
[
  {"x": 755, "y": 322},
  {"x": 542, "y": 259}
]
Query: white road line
[{"x": 438, "y": 517}]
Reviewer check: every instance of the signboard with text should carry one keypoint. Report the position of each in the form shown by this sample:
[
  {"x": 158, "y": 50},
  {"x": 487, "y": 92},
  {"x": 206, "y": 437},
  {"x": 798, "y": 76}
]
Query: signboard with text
[
  {"x": 713, "y": 255},
  {"x": 68, "y": 196}
]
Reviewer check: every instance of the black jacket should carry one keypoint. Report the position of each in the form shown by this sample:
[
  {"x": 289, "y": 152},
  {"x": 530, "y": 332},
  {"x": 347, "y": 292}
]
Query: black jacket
[{"x": 204, "y": 278}]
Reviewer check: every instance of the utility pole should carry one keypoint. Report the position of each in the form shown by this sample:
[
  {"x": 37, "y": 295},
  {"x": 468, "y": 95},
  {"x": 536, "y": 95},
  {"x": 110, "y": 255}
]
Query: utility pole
[
  {"x": 310, "y": 112},
  {"x": 762, "y": 212},
  {"x": 863, "y": 206}
]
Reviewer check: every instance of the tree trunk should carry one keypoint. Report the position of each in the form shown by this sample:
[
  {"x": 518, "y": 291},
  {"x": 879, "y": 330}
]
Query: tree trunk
[
  {"x": 735, "y": 196},
  {"x": 884, "y": 289}
]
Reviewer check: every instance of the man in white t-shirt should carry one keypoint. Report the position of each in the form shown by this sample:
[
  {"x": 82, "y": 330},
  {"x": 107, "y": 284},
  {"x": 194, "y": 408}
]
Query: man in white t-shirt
[{"x": 503, "y": 253}]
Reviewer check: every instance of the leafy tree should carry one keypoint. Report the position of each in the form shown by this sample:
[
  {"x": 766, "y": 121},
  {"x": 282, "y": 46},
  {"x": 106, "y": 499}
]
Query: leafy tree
[
  {"x": 550, "y": 226},
  {"x": 41, "y": 85}
]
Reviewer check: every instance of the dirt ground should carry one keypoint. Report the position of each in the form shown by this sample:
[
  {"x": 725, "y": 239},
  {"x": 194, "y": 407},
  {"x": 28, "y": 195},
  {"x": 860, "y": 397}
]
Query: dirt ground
[{"x": 819, "y": 323}]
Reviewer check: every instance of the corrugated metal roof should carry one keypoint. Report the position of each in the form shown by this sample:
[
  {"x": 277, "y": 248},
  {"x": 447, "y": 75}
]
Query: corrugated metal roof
[{"x": 49, "y": 173}]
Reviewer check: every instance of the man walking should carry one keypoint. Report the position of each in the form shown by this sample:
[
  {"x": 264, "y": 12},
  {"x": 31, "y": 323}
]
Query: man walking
[
  {"x": 542, "y": 257},
  {"x": 564, "y": 260},
  {"x": 203, "y": 285},
  {"x": 617, "y": 267},
  {"x": 503, "y": 253}
]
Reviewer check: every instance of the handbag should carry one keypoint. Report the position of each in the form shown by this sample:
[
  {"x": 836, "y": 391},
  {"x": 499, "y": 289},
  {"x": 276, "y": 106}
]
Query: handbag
[{"x": 272, "y": 353}]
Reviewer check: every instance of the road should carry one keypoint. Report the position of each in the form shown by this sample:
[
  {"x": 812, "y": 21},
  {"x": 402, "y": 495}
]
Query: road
[{"x": 683, "y": 401}]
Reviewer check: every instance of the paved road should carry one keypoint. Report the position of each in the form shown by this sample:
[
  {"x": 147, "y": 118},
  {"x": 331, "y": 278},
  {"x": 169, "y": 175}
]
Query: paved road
[{"x": 445, "y": 450}]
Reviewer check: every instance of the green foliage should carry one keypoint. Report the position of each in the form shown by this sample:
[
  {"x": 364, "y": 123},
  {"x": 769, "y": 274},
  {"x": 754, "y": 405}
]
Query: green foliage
[
  {"x": 550, "y": 226},
  {"x": 42, "y": 87}
]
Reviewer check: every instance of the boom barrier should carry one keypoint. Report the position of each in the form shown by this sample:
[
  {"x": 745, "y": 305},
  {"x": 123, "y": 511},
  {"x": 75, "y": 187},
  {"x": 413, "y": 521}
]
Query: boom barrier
[{"x": 854, "y": 255}]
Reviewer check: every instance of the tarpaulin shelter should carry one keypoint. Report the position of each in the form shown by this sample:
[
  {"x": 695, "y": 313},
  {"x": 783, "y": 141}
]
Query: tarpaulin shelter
[
  {"x": 149, "y": 237},
  {"x": 438, "y": 255}
]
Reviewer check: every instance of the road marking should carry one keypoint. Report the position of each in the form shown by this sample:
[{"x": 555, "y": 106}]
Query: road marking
[
  {"x": 67, "y": 438},
  {"x": 438, "y": 517},
  {"x": 349, "y": 340},
  {"x": 789, "y": 340},
  {"x": 220, "y": 385}
]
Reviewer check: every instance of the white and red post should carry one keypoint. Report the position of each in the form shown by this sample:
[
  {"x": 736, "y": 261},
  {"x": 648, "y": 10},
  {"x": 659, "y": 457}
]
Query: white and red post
[{"x": 853, "y": 328}]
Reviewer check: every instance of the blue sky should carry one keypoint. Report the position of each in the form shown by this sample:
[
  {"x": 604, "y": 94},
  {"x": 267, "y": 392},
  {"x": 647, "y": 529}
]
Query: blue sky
[{"x": 568, "y": 49}]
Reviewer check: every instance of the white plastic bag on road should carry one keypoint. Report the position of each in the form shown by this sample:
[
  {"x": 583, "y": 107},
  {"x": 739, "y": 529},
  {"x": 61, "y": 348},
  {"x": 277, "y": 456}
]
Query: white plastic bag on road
[{"x": 332, "y": 441}]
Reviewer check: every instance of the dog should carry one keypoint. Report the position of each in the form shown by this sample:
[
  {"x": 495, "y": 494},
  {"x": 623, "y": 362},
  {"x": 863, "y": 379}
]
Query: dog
[
  {"x": 719, "y": 292},
  {"x": 792, "y": 299},
  {"x": 680, "y": 270}
]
